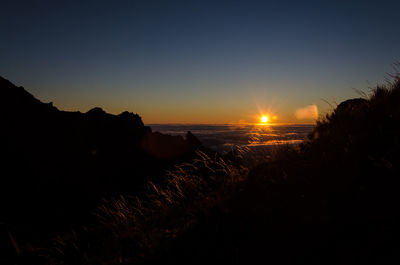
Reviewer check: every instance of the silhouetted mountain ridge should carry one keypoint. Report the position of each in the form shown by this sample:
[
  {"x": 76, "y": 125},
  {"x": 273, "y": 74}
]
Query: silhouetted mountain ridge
[{"x": 58, "y": 165}]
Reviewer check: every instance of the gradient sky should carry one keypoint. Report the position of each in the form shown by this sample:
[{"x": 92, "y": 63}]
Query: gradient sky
[{"x": 198, "y": 61}]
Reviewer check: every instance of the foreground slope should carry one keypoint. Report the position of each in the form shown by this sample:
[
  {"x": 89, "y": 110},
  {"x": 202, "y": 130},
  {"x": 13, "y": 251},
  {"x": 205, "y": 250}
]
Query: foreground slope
[{"x": 57, "y": 166}]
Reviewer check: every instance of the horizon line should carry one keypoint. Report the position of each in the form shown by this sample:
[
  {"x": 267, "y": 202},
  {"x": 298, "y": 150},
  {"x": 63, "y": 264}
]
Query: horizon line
[{"x": 227, "y": 123}]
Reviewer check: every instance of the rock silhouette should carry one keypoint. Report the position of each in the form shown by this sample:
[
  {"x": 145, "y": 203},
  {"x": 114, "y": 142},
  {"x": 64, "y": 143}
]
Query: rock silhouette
[{"x": 57, "y": 165}]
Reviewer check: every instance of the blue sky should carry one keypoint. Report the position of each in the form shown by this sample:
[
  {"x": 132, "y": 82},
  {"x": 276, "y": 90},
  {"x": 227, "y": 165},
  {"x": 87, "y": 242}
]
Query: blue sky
[{"x": 198, "y": 61}]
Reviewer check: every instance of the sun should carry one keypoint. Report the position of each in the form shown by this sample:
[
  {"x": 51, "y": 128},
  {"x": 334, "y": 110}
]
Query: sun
[{"x": 264, "y": 119}]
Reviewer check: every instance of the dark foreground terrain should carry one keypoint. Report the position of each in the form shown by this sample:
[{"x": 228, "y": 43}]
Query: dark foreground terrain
[
  {"x": 332, "y": 200},
  {"x": 57, "y": 167}
]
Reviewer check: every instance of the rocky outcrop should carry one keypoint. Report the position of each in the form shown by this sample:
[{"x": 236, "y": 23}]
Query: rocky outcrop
[{"x": 351, "y": 105}]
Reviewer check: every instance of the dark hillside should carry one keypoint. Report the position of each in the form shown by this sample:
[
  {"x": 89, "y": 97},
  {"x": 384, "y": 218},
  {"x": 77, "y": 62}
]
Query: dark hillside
[{"x": 57, "y": 166}]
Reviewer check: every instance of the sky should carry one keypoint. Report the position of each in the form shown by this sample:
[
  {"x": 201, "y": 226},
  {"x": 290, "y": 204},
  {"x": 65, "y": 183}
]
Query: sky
[{"x": 199, "y": 61}]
